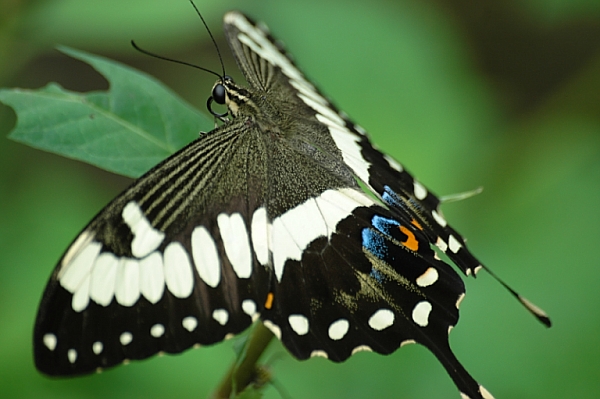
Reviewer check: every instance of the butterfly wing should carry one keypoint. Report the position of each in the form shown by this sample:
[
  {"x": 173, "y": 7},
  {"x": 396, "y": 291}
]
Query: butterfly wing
[
  {"x": 267, "y": 66},
  {"x": 338, "y": 297},
  {"x": 262, "y": 216},
  {"x": 167, "y": 265}
]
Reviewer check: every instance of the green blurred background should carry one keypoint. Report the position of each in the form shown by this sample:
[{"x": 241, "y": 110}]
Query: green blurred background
[{"x": 504, "y": 95}]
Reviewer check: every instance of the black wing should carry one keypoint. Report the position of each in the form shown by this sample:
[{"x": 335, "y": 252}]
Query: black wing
[
  {"x": 370, "y": 280},
  {"x": 167, "y": 265}
]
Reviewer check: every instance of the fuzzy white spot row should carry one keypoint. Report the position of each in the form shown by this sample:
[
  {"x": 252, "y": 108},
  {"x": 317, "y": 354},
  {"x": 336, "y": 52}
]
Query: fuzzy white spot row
[
  {"x": 420, "y": 313},
  {"x": 189, "y": 323},
  {"x": 381, "y": 319},
  {"x": 338, "y": 329},
  {"x": 317, "y": 217},
  {"x": 206, "y": 257},
  {"x": 299, "y": 324},
  {"x": 146, "y": 239},
  {"x": 236, "y": 243},
  {"x": 428, "y": 278}
]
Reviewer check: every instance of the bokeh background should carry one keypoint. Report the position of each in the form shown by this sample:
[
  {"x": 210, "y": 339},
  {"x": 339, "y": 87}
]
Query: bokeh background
[{"x": 504, "y": 95}]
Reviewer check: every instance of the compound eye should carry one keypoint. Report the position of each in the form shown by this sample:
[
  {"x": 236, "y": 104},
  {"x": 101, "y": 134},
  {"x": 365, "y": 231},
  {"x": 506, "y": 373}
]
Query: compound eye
[{"x": 218, "y": 94}]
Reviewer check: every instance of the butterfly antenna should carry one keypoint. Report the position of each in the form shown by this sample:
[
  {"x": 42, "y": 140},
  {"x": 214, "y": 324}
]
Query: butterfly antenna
[
  {"x": 160, "y": 57},
  {"x": 211, "y": 37},
  {"x": 531, "y": 307}
]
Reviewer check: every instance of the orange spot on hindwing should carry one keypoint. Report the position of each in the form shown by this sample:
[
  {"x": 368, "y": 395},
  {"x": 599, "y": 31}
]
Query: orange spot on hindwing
[
  {"x": 269, "y": 301},
  {"x": 415, "y": 223},
  {"x": 411, "y": 242}
]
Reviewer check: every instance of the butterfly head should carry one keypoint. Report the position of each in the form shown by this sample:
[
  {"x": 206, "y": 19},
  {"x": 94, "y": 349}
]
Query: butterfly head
[{"x": 226, "y": 92}]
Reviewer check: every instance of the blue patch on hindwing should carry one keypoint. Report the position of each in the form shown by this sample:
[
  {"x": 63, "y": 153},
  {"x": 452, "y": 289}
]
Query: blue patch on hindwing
[
  {"x": 374, "y": 242},
  {"x": 373, "y": 238},
  {"x": 384, "y": 224}
]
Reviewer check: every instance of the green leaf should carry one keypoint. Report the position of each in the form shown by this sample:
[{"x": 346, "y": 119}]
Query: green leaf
[{"x": 128, "y": 129}]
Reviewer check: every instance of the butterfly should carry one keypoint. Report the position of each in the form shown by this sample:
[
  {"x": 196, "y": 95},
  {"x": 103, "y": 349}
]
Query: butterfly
[{"x": 285, "y": 213}]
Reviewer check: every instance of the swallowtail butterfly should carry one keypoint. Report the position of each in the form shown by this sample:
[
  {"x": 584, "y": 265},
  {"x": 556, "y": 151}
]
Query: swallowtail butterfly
[{"x": 262, "y": 218}]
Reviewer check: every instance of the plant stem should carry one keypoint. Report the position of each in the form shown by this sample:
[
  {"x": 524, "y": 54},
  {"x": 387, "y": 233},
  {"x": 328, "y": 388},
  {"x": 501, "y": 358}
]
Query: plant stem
[{"x": 242, "y": 371}]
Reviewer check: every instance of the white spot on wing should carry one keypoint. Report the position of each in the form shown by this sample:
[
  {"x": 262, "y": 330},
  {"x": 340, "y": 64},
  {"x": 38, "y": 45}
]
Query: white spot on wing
[
  {"x": 358, "y": 128},
  {"x": 407, "y": 342},
  {"x": 381, "y": 319},
  {"x": 338, "y": 329},
  {"x": 293, "y": 231},
  {"x": 362, "y": 348},
  {"x": 249, "y": 307},
  {"x": 336, "y": 205},
  {"x": 308, "y": 90},
  {"x": 206, "y": 257},
  {"x": 127, "y": 284},
  {"x": 81, "y": 242},
  {"x": 146, "y": 239},
  {"x": 299, "y": 324},
  {"x": 420, "y": 313},
  {"x": 454, "y": 244},
  {"x": 274, "y": 328},
  {"x": 221, "y": 316},
  {"x": 157, "y": 330},
  {"x": 429, "y": 277},
  {"x": 324, "y": 112},
  {"x": 236, "y": 243},
  {"x": 260, "y": 235},
  {"x": 485, "y": 393},
  {"x": 103, "y": 277},
  {"x": 284, "y": 247},
  {"x": 178, "y": 270},
  {"x": 393, "y": 163},
  {"x": 316, "y": 217},
  {"x": 125, "y": 338},
  {"x": 97, "y": 347},
  {"x": 348, "y": 143},
  {"x": 73, "y": 273},
  {"x": 81, "y": 297},
  {"x": 439, "y": 218},
  {"x": 441, "y": 244},
  {"x": 72, "y": 355},
  {"x": 50, "y": 341},
  {"x": 459, "y": 300},
  {"x": 420, "y": 190},
  {"x": 189, "y": 323},
  {"x": 257, "y": 41},
  {"x": 152, "y": 277},
  {"x": 319, "y": 353}
]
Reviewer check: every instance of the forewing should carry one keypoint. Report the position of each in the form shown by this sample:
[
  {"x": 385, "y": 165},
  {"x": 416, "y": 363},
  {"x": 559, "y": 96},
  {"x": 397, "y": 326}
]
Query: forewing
[
  {"x": 167, "y": 265},
  {"x": 267, "y": 65}
]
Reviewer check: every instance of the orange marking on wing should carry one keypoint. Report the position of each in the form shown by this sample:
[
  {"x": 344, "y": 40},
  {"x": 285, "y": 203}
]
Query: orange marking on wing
[
  {"x": 411, "y": 242},
  {"x": 415, "y": 223},
  {"x": 269, "y": 301}
]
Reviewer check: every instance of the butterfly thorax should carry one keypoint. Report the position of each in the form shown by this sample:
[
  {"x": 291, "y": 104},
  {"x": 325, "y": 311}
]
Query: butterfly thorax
[{"x": 256, "y": 107}]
